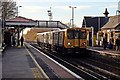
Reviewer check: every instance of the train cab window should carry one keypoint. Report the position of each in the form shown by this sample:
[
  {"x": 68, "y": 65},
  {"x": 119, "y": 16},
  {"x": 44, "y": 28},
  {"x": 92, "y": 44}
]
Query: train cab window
[
  {"x": 76, "y": 34},
  {"x": 83, "y": 35},
  {"x": 70, "y": 34}
]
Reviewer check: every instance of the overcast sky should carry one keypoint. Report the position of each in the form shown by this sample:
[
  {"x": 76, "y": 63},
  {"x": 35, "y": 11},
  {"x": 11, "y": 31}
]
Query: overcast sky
[{"x": 37, "y": 9}]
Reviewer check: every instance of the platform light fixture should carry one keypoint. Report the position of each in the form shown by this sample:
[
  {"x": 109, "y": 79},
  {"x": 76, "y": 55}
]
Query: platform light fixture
[{"x": 50, "y": 14}]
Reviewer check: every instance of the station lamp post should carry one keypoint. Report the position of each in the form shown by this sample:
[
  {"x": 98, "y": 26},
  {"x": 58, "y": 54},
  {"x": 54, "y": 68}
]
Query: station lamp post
[
  {"x": 18, "y": 30},
  {"x": 72, "y": 14},
  {"x": 70, "y": 22},
  {"x": 50, "y": 14}
]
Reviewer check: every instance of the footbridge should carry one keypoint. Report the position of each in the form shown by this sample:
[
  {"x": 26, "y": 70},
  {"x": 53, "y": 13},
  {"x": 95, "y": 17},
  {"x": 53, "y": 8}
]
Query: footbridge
[{"x": 23, "y": 22}]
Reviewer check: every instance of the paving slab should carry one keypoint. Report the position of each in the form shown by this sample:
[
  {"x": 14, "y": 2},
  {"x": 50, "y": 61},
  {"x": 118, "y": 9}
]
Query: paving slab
[{"x": 15, "y": 63}]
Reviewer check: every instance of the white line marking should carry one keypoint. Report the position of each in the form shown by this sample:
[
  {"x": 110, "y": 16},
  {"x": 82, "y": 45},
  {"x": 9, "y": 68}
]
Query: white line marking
[
  {"x": 104, "y": 52},
  {"x": 37, "y": 64}
]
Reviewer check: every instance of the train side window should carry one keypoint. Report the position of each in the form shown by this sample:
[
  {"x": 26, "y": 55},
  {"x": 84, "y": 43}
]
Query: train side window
[{"x": 60, "y": 37}]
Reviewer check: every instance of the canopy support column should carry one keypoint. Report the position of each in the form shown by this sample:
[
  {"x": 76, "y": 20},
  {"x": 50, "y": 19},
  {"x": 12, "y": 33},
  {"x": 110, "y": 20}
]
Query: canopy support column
[{"x": 18, "y": 37}]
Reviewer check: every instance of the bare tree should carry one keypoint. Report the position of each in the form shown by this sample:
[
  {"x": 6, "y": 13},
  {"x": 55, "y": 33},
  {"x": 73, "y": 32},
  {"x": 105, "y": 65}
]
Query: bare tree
[{"x": 7, "y": 9}]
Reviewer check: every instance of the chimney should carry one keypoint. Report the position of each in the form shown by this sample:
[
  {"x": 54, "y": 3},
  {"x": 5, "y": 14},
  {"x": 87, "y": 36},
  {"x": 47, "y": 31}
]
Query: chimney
[{"x": 106, "y": 12}]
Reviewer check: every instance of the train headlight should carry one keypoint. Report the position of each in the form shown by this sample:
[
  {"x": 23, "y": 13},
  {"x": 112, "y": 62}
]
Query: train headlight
[
  {"x": 84, "y": 44},
  {"x": 69, "y": 43}
]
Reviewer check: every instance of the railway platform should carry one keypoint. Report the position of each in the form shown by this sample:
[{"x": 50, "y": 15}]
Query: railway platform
[
  {"x": 100, "y": 49},
  {"x": 17, "y": 63},
  {"x": 108, "y": 52}
]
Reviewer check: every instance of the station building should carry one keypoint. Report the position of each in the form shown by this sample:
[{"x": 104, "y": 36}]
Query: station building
[
  {"x": 111, "y": 29},
  {"x": 94, "y": 24},
  {"x": 108, "y": 27}
]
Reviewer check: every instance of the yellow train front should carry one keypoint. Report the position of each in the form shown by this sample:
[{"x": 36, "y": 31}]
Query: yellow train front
[{"x": 72, "y": 40}]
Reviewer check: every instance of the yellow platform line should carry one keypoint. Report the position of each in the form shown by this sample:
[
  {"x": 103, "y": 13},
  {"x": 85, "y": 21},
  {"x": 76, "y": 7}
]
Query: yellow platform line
[
  {"x": 36, "y": 73},
  {"x": 42, "y": 71}
]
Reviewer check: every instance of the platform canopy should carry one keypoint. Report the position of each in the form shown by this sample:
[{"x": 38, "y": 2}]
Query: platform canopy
[{"x": 20, "y": 22}]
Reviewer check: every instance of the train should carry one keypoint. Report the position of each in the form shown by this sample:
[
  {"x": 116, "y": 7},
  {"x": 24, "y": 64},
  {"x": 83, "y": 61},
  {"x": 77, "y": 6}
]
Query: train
[{"x": 71, "y": 40}]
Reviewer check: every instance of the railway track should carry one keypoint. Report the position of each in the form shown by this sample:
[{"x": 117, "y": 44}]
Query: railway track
[
  {"x": 87, "y": 68},
  {"x": 102, "y": 70}
]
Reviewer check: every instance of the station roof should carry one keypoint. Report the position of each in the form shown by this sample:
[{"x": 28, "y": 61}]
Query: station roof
[
  {"x": 113, "y": 23},
  {"x": 95, "y": 22},
  {"x": 20, "y": 21}
]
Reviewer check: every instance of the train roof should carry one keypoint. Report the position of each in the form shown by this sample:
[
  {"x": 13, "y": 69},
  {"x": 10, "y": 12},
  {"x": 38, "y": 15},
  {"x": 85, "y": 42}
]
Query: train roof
[
  {"x": 52, "y": 31},
  {"x": 60, "y": 30}
]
